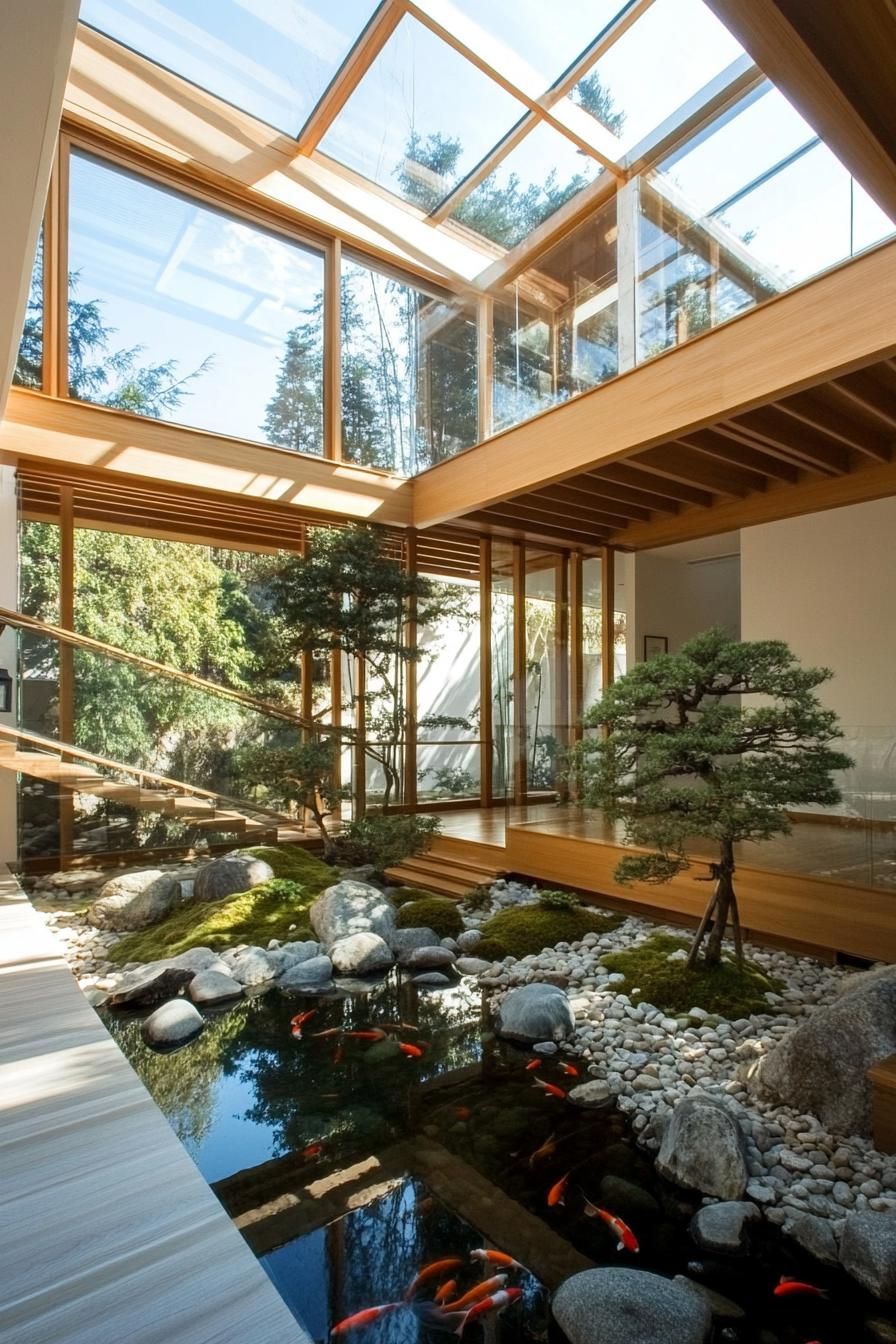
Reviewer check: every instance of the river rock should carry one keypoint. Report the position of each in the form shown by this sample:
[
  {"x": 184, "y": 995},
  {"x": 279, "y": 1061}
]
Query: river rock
[
  {"x": 467, "y": 940},
  {"x": 229, "y": 874},
  {"x": 703, "y": 1149},
  {"x": 352, "y": 907},
  {"x": 159, "y": 980},
  {"x": 722, "y": 1308},
  {"x": 252, "y": 965},
  {"x": 430, "y": 958},
  {"x": 821, "y": 1067},
  {"x": 535, "y": 1012},
  {"x": 724, "y": 1228},
  {"x": 815, "y": 1235},
  {"x": 433, "y": 980},
  {"x": 591, "y": 1095},
  {"x": 471, "y": 965},
  {"x": 360, "y": 954},
  {"x": 174, "y": 1023},
  {"x": 213, "y": 987},
  {"x": 404, "y": 942},
  {"x": 303, "y": 950},
  {"x": 629, "y": 1306},
  {"x": 868, "y": 1252},
  {"x": 316, "y": 971},
  {"x": 134, "y": 901}
]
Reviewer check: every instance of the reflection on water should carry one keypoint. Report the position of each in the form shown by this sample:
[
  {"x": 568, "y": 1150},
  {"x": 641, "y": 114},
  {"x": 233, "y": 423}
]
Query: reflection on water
[{"x": 348, "y": 1165}]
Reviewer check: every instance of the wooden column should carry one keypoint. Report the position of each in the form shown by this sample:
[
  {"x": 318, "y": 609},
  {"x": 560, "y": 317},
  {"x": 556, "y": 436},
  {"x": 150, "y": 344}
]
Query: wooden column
[
  {"x": 520, "y": 772},
  {"x": 607, "y": 615},
  {"x": 576, "y": 646},
  {"x": 55, "y": 267},
  {"x": 562, "y": 661},
  {"x": 66, "y": 655},
  {"x": 333, "y": 350},
  {"x": 486, "y": 723},
  {"x": 410, "y": 673}
]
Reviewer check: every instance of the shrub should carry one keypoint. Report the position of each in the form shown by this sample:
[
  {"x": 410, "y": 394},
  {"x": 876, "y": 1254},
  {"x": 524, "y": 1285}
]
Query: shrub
[
  {"x": 728, "y": 989},
  {"x": 558, "y": 900},
  {"x": 525, "y": 930},
  {"x": 479, "y": 898},
  {"x": 489, "y": 949},
  {"x": 433, "y": 912},
  {"x": 383, "y": 841}
]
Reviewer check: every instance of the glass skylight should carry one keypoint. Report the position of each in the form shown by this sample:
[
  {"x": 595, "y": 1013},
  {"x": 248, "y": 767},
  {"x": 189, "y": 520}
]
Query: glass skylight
[
  {"x": 272, "y": 58},
  {"x": 421, "y": 117}
]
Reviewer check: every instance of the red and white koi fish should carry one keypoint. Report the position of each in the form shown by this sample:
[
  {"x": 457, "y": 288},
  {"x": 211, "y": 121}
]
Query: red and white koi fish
[
  {"x": 362, "y": 1318},
  {"x": 497, "y": 1302},
  {"x": 445, "y": 1292},
  {"x": 557, "y": 1193},
  {"x": 301, "y": 1018},
  {"x": 432, "y": 1271},
  {"x": 375, "y": 1034},
  {"x": 330, "y": 1031},
  {"x": 412, "y": 1051},
  {"x": 533, "y": 1064},
  {"x": 625, "y": 1237},
  {"x": 313, "y": 1150},
  {"x": 496, "y": 1258},
  {"x": 796, "y": 1288},
  {"x": 569, "y": 1069},
  {"x": 550, "y": 1089},
  {"x": 484, "y": 1289}
]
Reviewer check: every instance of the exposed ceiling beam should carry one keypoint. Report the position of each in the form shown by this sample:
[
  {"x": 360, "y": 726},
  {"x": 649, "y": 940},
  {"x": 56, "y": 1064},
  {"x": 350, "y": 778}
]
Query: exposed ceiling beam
[
  {"x": 382, "y": 25},
  {"x": 495, "y": 521},
  {"x": 762, "y": 464},
  {"x": 651, "y": 487},
  {"x": 574, "y": 495},
  {"x": 863, "y": 391},
  {"x": 682, "y": 464},
  {"x": 808, "y": 409},
  {"x": 806, "y": 445},
  {"x": 835, "y": 63},
  {"x": 534, "y": 509}
]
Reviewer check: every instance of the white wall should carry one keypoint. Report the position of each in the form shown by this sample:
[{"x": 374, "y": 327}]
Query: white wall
[
  {"x": 680, "y": 591},
  {"x": 826, "y": 584}
]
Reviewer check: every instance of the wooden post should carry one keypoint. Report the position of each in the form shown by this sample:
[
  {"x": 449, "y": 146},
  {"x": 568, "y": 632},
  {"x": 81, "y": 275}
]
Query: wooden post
[
  {"x": 333, "y": 350},
  {"x": 410, "y": 673},
  {"x": 66, "y": 654},
  {"x": 576, "y": 646},
  {"x": 486, "y": 723},
  {"x": 520, "y": 771},
  {"x": 561, "y": 662},
  {"x": 607, "y": 616}
]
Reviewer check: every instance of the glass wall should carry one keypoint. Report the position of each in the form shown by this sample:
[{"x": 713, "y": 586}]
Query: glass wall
[
  {"x": 184, "y": 313},
  {"x": 502, "y": 628},
  {"x": 409, "y": 375},
  {"x": 448, "y": 700},
  {"x": 546, "y": 670},
  {"x": 29, "y": 370}
]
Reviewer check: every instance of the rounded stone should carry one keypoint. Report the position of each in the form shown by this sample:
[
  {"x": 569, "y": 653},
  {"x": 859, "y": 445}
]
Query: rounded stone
[
  {"x": 360, "y": 954},
  {"x": 174, "y": 1023},
  {"x": 535, "y": 1012},
  {"x": 430, "y": 958},
  {"x": 229, "y": 874},
  {"x": 352, "y": 907},
  {"x": 213, "y": 987},
  {"x": 134, "y": 901},
  {"x": 629, "y": 1306},
  {"x": 703, "y": 1149}
]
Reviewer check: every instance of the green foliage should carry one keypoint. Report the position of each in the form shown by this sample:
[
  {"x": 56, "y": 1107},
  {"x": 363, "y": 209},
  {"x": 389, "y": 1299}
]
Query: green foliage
[
  {"x": 489, "y": 949},
  {"x": 383, "y": 840},
  {"x": 401, "y": 895},
  {"x": 729, "y": 989},
  {"x": 449, "y": 781},
  {"x": 558, "y": 900},
  {"x": 302, "y": 774},
  {"x": 525, "y": 930},
  {"x": 480, "y": 898},
  {"x": 438, "y": 913},
  {"x": 294, "y": 862}
]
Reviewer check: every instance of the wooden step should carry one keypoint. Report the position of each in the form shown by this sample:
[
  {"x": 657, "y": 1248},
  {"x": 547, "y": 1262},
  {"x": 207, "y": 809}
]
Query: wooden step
[
  {"x": 442, "y": 886},
  {"x": 450, "y": 869},
  {"x": 222, "y": 821}
]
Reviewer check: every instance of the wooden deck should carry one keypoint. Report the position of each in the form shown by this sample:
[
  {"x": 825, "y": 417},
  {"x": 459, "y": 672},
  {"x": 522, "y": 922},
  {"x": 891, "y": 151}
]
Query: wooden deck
[
  {"x": 826, "y": 887},
  {"x": 109, "y": 1232}
]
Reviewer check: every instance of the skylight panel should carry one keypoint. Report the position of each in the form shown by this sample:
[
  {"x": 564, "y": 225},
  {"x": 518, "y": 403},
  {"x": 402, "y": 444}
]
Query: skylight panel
[
  {"x": 271, "y": 58},
  {"x": 669, "y": 54},
  {"x": 421, "y": 118},
  {"x": 535, "y": 179}
]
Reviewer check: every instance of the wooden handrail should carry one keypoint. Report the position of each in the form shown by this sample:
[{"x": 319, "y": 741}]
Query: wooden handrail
[
  {"x": 19, "y": 621},
  {"x": 51, "y": 744}
]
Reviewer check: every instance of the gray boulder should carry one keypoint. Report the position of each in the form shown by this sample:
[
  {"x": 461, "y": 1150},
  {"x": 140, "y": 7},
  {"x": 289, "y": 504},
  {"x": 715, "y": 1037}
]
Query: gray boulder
[
  {"x": 868, "y": 1252},
  {"x": 724, "y": 1228},
  {"x": 159, "y": 980},
  {"x": 629, "y": 1306},
  {"x": 174, "y": 1023},
  {"x": 430, "y": 958},
  {"x": 821, "y": 1067},
  {"x": 404, "y": 942},
  {"x": 433, "y": 980},
  {"x": 703, "y": 1148},
  {"x": 303, "y": 950},
  {"x": 313, "y": 972},
  {"x": 134, "y": 901},
  {"x": 229, "y": 874},
  {"x": 591, "y": 1096},
  {"x": 252, "y": 965},
  {"x": 361, "y": 954},
  {"x": 817, "y": 1236},
  {"x": 471, "y": 965},
  {"x": 536, "y": 1012},
  {"x": 722, "y": 1308},
  {"x": 351, "y": 907},
  {"x": 467, "y": 940},
  {"x": 213, "y": 987}
]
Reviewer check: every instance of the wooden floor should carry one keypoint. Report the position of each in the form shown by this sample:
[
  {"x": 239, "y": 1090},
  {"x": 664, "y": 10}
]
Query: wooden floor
[{"x": 108, "y": 1232}]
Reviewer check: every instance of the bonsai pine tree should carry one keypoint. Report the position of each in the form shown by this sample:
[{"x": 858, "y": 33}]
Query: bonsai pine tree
[{"x": 713, "y": 743}]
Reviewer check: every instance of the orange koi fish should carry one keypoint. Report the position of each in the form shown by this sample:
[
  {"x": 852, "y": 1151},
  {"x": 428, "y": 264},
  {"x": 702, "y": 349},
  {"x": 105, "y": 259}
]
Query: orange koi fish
[
  {"x": 296, "y": 1033},
  {"x": 444, "y": 1293},
  {"x": 330, "y": 1031},
  {"x": 432, "y": 1271},
  {"x": 497, "y": 1302},
  {"x": 796, "y": 1288},
  {"x": 462, "y": 1112},
  {"x": 412, "y": 1051},
  {"x": 313, "y": 1150},
  {"x": 362, "y": 1318},
  {"x": 547, "y": 1149},
  {"x": 569, "y": 1069},
  {"x": 557, "y": 1193},
  {"x": 496, "y": 1258},
  {"x": 533, "y": 1064},
  {"x": 301, "y": 1018},
  {"x": 484, "y": 1289},
  {"x": 625, "y": 1237},
  {"x": 375, "y": 1034},
  {"x": 550, "y": 1089}
]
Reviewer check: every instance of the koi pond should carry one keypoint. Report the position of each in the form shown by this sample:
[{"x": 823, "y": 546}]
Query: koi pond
[{"x": 353, "y": 1166}]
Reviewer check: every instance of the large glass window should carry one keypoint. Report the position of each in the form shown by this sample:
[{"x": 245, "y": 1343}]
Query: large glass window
[
  {"x": 556, "y": 332},
  {"x": 273, "y": 60},
  {"x": 409, "y": 377},
  {"x": 184, "y": 313}
]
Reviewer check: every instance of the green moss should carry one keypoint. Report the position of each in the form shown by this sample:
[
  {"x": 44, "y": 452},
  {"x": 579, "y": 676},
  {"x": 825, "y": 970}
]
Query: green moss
[
  {"x": 526, "y": 929},
  {"x": 432, "y": 912},
  {"x": 728, "y": 989},
  {"x": 489, "y": 949},
  {"x": 253, "y": 916}
]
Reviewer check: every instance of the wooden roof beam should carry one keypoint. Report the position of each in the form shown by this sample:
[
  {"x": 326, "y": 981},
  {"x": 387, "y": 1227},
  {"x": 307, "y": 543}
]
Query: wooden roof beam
[
  {"x": 682, "y": 464},
  {"x": 862, "y": 390},
  {"x": 805, "y": 445},
  {"x": 808, "y": 409},
  {"x": 762, "y": 463},
  {"x": 549, "y": 520},
  {"x": 583, "y": 499},
  {"x": 385, "y": 19},
  {"x": 662, "y": 492}
]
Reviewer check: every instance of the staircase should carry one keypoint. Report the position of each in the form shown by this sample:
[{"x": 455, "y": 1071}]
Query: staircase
[{"x": 451, "y": 867}]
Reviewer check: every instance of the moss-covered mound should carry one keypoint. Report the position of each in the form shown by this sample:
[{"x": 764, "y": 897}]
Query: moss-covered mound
[
  {"x": 253, "y": 916},
  {"x": 432, "y": 912},
  {"x": 525, "y": 930},
  {"x": 399, "y": 895},
  {"x": 728, "y": 989},
  {"x": 489, "y": 949}
]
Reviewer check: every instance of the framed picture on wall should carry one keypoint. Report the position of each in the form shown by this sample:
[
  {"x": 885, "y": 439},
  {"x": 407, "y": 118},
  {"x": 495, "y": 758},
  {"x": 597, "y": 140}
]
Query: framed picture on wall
[{"x": 654, "y": 644}]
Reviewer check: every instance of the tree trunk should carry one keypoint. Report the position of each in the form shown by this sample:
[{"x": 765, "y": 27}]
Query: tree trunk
[{"x": 726, "y": 904}]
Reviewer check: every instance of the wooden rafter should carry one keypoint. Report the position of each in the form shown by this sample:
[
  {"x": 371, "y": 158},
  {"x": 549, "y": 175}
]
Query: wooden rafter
[
  {"x": 761, "y": 461},
  {"x": 651, "y": 485},
  {"x": 818, "y": 452},
  {"x": 585, "y": 500},
  {"x": 808, "y": 409},
  {"x": 382, "y": 25},
  {"x": 864, "y": 391}
]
